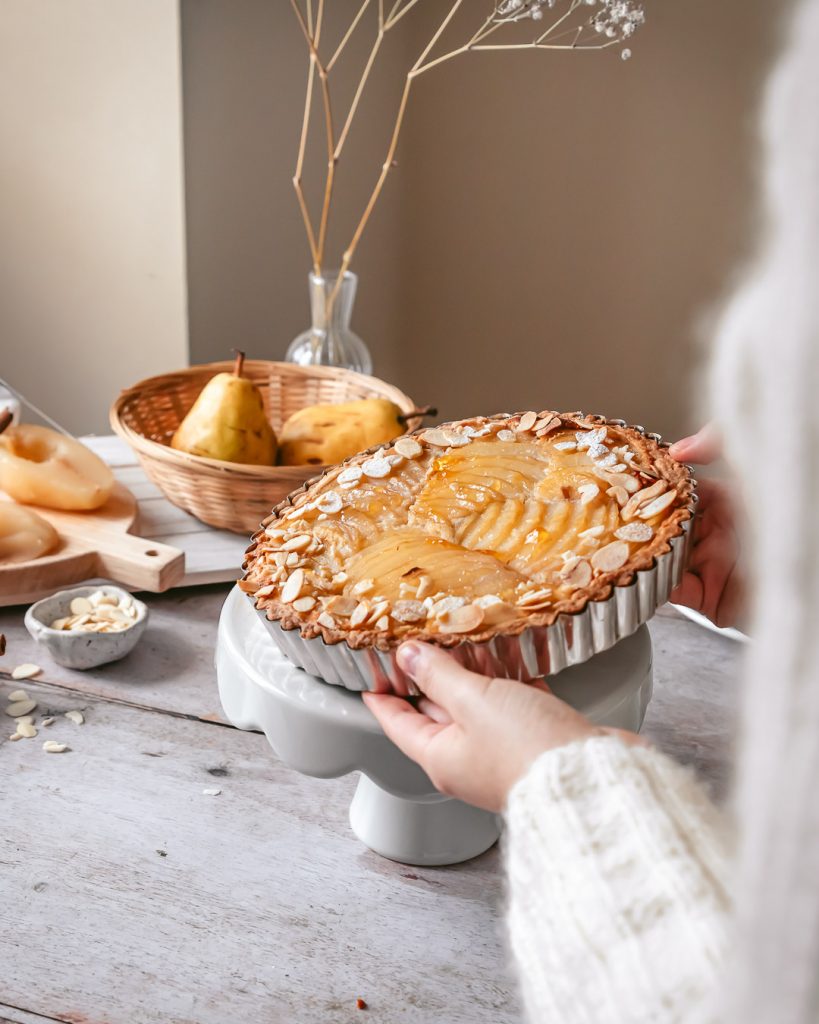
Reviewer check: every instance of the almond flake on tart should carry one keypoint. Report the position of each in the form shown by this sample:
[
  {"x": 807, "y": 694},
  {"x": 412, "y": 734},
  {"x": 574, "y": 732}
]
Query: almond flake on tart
[{"x": 468, "y": 531}]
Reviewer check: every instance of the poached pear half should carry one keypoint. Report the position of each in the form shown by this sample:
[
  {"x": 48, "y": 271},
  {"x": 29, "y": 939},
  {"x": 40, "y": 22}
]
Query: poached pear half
[{"x": 227, "y": 422}]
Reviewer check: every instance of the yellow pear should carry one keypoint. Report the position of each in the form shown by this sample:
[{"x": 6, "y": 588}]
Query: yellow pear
[
  {"x": 227, "y": 422},
  {"x": 322, "y": 435}
]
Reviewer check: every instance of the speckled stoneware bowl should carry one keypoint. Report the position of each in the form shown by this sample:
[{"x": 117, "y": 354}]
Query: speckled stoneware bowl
[{"x": 77, "y": 649}]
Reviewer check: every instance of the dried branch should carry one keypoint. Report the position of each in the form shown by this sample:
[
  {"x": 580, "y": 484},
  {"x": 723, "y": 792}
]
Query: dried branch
[{"x": 614, "y": 20}]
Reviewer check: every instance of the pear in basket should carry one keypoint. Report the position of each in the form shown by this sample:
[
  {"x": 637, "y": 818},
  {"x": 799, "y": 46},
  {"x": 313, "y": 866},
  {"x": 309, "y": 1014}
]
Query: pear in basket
[
  {"x": 323, "y": 435},
  {"x": 227, "y": 422}
]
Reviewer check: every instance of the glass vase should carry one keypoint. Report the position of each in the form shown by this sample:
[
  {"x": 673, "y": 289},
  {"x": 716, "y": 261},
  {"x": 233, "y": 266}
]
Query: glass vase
[{"x": 329, "y": 341}]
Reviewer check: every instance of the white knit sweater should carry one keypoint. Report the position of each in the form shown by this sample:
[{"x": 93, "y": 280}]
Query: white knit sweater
[{"x": 617, "y": 859}]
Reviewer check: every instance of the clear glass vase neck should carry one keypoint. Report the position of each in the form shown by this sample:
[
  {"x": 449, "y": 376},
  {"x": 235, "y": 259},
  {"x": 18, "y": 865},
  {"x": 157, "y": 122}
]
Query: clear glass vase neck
[{"x": 322, "y": 287}]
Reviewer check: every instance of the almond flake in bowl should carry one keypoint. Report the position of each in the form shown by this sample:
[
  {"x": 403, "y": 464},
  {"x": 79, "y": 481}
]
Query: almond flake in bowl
[{"x": 88, "y": 626}]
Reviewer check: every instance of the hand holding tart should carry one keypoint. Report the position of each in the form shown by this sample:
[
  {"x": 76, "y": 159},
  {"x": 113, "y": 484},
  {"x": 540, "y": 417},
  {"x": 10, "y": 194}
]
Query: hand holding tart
[{"x": 481, "y": 535}]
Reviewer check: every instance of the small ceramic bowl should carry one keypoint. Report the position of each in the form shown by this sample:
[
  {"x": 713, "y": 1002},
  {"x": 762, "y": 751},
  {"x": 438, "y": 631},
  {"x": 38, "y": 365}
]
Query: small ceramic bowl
[{"x": 76, "y": 649}]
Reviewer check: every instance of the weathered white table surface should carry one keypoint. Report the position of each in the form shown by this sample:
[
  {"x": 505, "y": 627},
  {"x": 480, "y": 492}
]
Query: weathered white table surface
[{"x": 131, "y": 897}]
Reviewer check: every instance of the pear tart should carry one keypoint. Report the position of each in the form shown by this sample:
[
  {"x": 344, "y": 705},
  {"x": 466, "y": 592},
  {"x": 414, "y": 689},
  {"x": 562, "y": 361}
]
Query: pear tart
[{"x": 469, "y": 531}]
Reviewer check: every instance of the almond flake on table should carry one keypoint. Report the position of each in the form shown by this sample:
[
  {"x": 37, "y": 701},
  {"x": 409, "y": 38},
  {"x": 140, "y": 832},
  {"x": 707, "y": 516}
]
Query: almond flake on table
[
  {"x": 53, "y": 747},
  {"x": 26, "y": 730},
  {"x": 16, "y": 695},
  {"x": 76, "y": 717},
  {"x": 20, "y": 708},
  {"x": 211, "y": 792},
  {"x": 25, "y": 671}
]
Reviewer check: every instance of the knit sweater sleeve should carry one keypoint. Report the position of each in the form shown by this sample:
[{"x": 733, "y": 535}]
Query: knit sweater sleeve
[{"x": 617, "y": 863}]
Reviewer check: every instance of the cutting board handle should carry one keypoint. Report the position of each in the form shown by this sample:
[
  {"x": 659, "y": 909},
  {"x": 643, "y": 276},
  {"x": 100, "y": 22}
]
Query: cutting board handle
[{"x": 137, "y": 562}]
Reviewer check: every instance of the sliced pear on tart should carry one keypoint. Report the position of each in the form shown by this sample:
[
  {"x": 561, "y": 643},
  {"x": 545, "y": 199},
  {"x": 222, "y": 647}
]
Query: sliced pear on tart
[{"x": 479, "y": 528}]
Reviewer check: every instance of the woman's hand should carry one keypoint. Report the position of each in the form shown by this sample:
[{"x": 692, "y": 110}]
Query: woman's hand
[
  {"x": 475, "y": 736},
  {"x": 712, "y": 583}
]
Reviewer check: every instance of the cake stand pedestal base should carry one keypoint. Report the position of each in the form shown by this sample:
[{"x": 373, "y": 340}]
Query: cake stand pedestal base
[{"x": 327, "y": 731}]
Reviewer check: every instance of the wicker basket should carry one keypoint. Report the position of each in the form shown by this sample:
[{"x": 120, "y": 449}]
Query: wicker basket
[{"x": 228, "y": 494}]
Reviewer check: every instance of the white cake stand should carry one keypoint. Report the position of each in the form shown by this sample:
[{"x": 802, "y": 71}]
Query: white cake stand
[{"x": 326, "y": 731}]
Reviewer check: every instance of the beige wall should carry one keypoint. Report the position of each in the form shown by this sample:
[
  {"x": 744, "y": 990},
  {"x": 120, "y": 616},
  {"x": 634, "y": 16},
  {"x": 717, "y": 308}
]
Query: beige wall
[
  {"x": 558, "y": 227},
  {"x": 92, "y": 275}
]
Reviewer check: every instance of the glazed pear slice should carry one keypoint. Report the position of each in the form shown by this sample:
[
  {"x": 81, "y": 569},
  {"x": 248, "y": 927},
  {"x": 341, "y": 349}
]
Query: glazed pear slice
[
  {"x": 466, "y": 480},
  {"x": 405, "y": 555}
]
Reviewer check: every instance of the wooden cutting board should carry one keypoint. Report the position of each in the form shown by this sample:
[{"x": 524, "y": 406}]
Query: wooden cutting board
[{"x": 98, "y": 543}]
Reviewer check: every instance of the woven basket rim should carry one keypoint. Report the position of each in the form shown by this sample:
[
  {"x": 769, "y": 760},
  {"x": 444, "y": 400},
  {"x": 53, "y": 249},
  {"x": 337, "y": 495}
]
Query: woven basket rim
[{"x": 215, "y": 467}]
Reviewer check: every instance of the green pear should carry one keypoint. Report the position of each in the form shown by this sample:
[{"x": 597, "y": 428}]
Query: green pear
[{"x": 227, "y": 422}]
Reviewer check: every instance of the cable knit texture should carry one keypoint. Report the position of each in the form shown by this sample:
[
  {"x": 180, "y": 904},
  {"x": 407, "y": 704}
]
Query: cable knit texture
[{"x": 616, "y": 861}]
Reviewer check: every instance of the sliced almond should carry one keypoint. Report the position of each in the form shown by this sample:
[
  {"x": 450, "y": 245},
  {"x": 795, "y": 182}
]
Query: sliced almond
[
  {"x": 350, "y": 475},
  {"x": 297, "y": 543},
  {"x": 53, "y": 747},
  {"x": 593, "y": 531},
  {"x": 376, "y": 468},
  {"x": 611, "y": 557},
  {"x": 26, "y": 671},
  {"x": 76, "y": 717},
  {"x": 342, "y": 605},
  {"x": 534, "y": 597},
  {"x": 15, "y": 736},
  {"x": 642, "y": 497},
  {"x": 424, "y": 588},
  {"x": 546, "y": 425},
  {"x": 588, "y": 492},
  {"x": 47, "y": 721},
  {"x": 494, "y": 614},
  {"x": 462, "y": 620},
  {"x": 274, "y": 532},
  {"x": 378, "y": 609},
  {"x": 637, "y": 533},
  {"x": 26, "y": 730},
  {"x": 526, "y": 422},
  {"x": 409, "y": 611},
  {"x": 565, "y": 446},
  {"x": 364, "y": 587},
  {"x": 620, "y": 494},
  {"x": 16, "y": 695},
  {"x": 81, "y": 606},
  {"x": 436, "y": 437},
  {"x": 292, "y": 558},
  {"x": 506, "y": 435},
  {"x": 267, "y": 590},
  {"x": 292, "y": 588},
  {"x": 361, "y": 614},
  {"x": 628, "y": 482},
  {"x": 658, "y": 505},
  {"x": 20, "y": 708},
  {"x": 280, "y": 558},
  {"x": 329, "y": 503},
  {"x": 304, "y": 604},
  {"x": 577, "y": 573},
  {"x": 339, "y": 579},
  {"x": 326, "y": 620},
  {"x": 383, "y": 623},
  {"x": 408, "y": 447},
  {"x": 456, "y": 438}
]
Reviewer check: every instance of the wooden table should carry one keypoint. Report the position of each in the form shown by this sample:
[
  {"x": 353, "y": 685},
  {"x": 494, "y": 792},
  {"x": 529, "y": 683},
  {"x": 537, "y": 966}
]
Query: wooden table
[{"x": 130, "y": 896}]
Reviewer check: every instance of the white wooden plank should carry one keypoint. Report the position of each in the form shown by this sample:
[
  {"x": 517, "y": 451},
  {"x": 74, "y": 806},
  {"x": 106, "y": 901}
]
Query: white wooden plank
[
  {"x": 170, "y": 669},
  {"x": 691, "y": 714},
  {"x": 211, "y": 555},
  {"x": 137, "y": 898}
]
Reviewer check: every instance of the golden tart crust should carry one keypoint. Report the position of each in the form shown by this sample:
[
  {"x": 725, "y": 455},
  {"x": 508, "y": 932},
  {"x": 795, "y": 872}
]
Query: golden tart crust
[{"x": 467, "y": 531}]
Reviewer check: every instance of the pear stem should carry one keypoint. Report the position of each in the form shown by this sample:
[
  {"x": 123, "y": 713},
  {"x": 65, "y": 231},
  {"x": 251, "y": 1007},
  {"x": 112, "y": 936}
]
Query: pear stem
[
  {"x": 240, "y": 362},
  {"x": 425, "y": 410}
]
